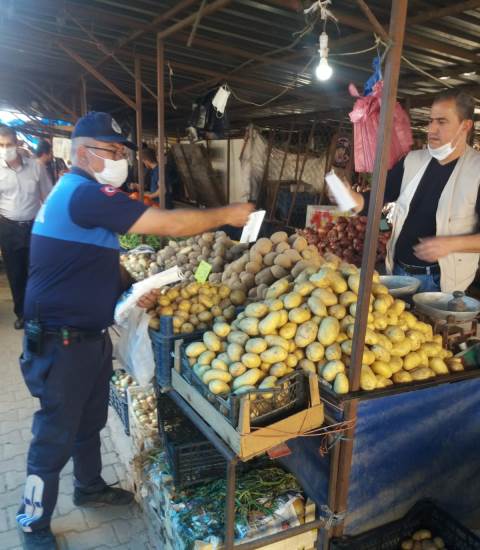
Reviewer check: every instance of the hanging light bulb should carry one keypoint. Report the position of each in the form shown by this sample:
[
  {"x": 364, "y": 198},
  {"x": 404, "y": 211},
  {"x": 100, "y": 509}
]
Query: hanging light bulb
[{"x": 323, "y": 70}]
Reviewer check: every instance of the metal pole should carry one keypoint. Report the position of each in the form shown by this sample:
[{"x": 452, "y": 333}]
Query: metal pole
[
  {"x": 228, "y": 170},
  {"x": 161, "y": 119},
  {"x": 396, "y": 32},
  {"x": 138, "y": 112}
]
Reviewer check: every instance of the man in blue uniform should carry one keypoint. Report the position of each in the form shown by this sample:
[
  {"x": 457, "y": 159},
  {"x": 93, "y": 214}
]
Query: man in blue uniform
[{"x": 74, "y": 283}]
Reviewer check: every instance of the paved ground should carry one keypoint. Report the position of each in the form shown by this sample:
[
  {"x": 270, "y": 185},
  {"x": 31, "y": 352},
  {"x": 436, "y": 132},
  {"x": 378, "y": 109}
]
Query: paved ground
[{"x": 77, "y": 529}]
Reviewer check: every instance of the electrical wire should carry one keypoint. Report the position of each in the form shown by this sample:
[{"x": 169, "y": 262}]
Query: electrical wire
[{"x": 170, "y": 79}]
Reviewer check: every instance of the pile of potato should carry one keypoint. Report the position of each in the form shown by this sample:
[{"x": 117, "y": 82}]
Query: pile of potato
[
  {"x": 144, "y": 407},
  {"x": 308, "y": 323},
  {"x": 122, "y": 380},
  {"x": 215, "y": 248},
  {"x": 423, "y": 540},
  {"x": 269, "y": 260},
  {"x": 195, "y": 306}
]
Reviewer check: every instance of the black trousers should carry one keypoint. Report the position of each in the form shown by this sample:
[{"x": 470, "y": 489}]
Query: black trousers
[{"x": 15, "y": 247}]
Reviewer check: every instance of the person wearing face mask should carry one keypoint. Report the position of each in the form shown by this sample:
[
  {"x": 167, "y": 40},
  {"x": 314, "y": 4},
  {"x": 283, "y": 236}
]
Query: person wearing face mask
[
  {"x": 24, "y": 185},
  {"x": 74, "y": 283},
  {"x": 435, "y": 233}
]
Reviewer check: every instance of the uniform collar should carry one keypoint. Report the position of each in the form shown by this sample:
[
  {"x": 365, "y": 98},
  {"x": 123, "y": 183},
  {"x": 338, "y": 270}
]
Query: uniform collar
[{"x": 81, "y": 172}]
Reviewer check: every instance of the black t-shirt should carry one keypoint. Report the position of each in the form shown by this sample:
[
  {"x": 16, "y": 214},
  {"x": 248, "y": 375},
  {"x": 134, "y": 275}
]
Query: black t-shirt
[{"x": 421, "y": 219}]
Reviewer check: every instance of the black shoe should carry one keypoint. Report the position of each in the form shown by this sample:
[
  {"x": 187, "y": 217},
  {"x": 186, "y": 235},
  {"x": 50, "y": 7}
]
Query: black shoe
[
  {"x": 18, "y": 323},
  {"x": 43, "y": 539},
  {"x": 107, "y": 495}
]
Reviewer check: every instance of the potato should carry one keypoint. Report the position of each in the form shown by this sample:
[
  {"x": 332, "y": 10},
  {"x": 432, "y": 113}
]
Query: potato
[
  {"x": 322, "y": 278},
  {"x": 235, "y": 352},
  {"x": 195, "y": 349},
  {"x": 292, "y": 300},
  {"x": 422, "y": 373},
  {"x": 249, "y": 378},
  {"x": 253, "y": 267},
  {"x": 219, "y": 364},
  {"x": 337, "y": 311},
  {"x": 341, "y": 384},
  {"x": 371, "y": 338},
  {"x": 206, "y": 357},
  {"x": 237, "y": 337},
  {"x": 328, "y": 297},
  {"x": 384, "y": 342},
  {"x": 229, "y": 313},
  {"x": 381, "y": 353},
  {"x": 218, "y": 387},
  {"x": 304, "y": 289},
  {"x": 328, "y": 331},
  {"x": 288, "y": 330},
  {"x": 278, "y": 370},
  {"x": 438, "y": 366},
  {"x": 300, "y": 244},
  {"x": 431, "y": 349},
  {"x": 346, "y": 347},
  {"x": 299, "y": 315},
  {"x": 368, "y": 357},
  {"x": 333, "y": 352},
  {"x": 368, "y": 382},
  {"x": 354, "y": 283},
  {"x": 379, "y": 289},
  {"x": 269, "y": 324},
  {"x": 275, "y": 354},
  {"x": 216, "y": 374},
  {"x": 346, "y": 321},
  {"x": 379, "y": 321},
  {"x": 187, "y": 328},
  {"x": 422, "y": 534},
  {"x": 396, "y": 364},
  {"x": 238, "y": 297},
  {"x": 315, "y": 352},
  {"x": 331, "y": 369},
  {"x": 395, "y": 334},
  {"x": 382, "y": 368},
  {"x": 236, "y": 369},
  {"x": 398, "y": 307},
  {"x": 306, "y": 334},
  {"x": 291, "y": 361},
  {"x": 269, "y": 258},
  {"x": 342, "y": 337},
  {"x": 251, "y": 360},
  {"x": 250, "y": 326},
  {"x": 438, "y": 541},
  {"x": 401, "y": 348},
  {"x": 268, "y": 382},
  {"x": 411, "y": 361},
  {"x": 211, "y": 340},
  {"x": 256, "y": 345},
  {"x": 338, "y": 283},
  {"x": 307, "y": 366},
  {"x": 347, "y": 298},
  {"x": 277, "y": 289},
  {"x": 455, "y": 364},
  {"x": 256, "y": 310},
  {"x": 263, "y": 246},
  {"x": 402, "y": 377},
  {"x": 274, "y": 340},
  {"x": 246, "y": 388},
  {"x": 317, "y": 306}
]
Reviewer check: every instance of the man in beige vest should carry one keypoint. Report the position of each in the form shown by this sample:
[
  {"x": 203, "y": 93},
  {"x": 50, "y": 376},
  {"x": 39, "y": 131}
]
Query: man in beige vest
[{"x": 435, "y": 234}]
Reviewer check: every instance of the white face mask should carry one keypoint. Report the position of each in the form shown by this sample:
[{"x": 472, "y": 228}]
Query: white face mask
[
  {"x": 8, "y": 154},
  {"x": 114, "y": 173},
  {"x": 444, "y": 151}
]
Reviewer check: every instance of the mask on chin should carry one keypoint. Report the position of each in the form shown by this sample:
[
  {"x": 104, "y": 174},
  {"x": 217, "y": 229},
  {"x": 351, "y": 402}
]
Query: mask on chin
[
  {"x": 444, "y": 151},
  {"x": 114, "y": 173}
]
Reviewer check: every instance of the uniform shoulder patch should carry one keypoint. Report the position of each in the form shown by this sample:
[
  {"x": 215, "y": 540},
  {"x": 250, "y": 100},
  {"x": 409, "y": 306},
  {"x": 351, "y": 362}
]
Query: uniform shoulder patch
[{"x": 109, "y": 190}]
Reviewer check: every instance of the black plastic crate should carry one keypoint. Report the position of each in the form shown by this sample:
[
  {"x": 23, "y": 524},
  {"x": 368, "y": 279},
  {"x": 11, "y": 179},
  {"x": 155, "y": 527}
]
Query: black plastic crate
[
  {"x": 119, "y": 402},
  {"x": 190, "y": 456},
  {"x": 288, "y": 398},
  {"x": 424, "y": 515},
  {"x": 163, "y": 344}
]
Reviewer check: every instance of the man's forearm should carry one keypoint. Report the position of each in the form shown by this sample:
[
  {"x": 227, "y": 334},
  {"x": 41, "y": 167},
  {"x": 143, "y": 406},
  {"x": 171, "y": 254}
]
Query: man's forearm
[
  {"x": 178, "y": 223},
  {"x": 466, "y": 243}
]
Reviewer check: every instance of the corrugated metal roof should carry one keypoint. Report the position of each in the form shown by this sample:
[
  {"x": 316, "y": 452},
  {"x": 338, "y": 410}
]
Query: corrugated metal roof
[{"x": 228, "y": 46}]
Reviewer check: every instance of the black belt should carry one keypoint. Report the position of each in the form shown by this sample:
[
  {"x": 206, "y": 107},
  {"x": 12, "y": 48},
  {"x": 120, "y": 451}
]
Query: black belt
[
  {"x": 433, "y": 269},
  {"x": 74, "y": 335},
  {"x": 14, "y": 222}
]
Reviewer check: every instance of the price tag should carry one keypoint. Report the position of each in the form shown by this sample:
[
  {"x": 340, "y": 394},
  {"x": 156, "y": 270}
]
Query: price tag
[{"x": 203, "y": 271}]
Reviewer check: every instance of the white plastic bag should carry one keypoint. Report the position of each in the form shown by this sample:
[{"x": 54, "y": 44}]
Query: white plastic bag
[{"x": 134, "y": 348}]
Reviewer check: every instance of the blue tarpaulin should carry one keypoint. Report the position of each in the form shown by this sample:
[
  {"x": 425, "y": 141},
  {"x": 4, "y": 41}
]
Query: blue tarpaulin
[{"x": 417, "y": 444}]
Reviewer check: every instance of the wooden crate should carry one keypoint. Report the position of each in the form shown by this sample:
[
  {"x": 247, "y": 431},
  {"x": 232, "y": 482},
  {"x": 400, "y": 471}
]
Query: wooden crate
[{"x": 246, "y": 441}]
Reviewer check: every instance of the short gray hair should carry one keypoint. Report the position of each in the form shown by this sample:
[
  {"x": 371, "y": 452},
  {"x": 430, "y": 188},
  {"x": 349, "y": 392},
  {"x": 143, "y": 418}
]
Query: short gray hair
[{"x": 76, "y": 143}]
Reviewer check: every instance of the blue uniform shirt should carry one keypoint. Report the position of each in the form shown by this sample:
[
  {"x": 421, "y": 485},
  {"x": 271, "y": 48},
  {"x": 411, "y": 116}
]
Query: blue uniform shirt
[{"x": 74, "y": 278}]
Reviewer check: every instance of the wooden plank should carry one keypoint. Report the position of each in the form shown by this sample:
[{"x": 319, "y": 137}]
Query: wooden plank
[{"x": 247, "y": 446}]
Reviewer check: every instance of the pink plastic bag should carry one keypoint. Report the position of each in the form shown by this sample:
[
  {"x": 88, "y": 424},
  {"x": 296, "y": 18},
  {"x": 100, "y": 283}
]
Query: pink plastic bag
[{"x": 365, "y": 118}]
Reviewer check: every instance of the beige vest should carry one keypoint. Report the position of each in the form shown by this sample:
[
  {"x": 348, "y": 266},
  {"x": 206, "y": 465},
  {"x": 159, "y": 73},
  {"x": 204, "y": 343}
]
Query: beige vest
[{"x": 455, "y": 213}]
